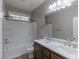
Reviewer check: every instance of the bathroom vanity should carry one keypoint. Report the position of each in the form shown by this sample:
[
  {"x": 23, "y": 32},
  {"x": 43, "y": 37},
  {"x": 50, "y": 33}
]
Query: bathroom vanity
[{"x": 44, "y": 50}]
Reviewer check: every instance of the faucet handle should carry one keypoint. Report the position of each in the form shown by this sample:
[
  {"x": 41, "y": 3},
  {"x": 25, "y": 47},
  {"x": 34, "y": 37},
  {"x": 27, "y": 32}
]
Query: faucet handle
[
  {"x": 65, "y": 43},
  {"x": 73, "y": 38}
]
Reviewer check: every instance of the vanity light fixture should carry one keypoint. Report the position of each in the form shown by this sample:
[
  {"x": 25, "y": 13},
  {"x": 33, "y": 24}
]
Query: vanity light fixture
[
  {"x": 50, "y": 7},
  {"x": 53, "y": 6},
  {"x": 60, "y": 4}
]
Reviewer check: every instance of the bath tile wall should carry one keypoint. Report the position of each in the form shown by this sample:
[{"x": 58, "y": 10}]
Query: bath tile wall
[{"x": 20, "y": 37}]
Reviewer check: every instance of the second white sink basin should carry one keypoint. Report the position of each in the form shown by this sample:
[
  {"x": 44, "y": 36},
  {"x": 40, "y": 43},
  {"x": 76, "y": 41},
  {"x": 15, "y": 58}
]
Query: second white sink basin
[{"x": 67, "y": 50}]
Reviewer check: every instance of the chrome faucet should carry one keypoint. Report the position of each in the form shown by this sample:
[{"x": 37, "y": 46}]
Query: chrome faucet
[
  {"x": 69, "y": 42},
  {"x": 46, "y": 36},
  {"x": 66, "y": 43}
]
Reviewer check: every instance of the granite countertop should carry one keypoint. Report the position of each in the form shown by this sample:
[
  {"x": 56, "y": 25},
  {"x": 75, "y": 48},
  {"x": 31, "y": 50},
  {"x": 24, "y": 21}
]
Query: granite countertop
[{"x": 55, "y": 46}]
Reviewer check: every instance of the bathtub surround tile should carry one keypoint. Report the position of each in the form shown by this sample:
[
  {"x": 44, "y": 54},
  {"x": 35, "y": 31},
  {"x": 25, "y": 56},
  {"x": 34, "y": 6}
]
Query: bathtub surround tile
[{"x": 20, "y": 32}]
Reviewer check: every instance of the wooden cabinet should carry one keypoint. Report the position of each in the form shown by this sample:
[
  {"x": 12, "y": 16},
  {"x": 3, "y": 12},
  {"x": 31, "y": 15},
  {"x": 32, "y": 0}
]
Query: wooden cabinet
[
  {"x": 37, "y": 51},
  {"x": 40, "y": 52}
]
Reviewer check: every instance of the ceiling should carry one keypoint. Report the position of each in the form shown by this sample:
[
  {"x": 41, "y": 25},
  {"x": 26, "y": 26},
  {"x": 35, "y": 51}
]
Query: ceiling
[{"x": 28, "y": 5}]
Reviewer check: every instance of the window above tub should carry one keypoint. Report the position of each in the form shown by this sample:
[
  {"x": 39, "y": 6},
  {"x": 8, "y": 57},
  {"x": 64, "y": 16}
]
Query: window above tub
[{"x": 18, "y": 16}]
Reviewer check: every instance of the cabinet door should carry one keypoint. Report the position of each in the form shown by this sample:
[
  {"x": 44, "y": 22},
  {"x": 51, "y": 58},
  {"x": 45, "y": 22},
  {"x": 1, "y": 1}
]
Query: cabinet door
[
  {"x": 45, "y": 57},
  {"x": 46, "y": 52},
  {"x": 37, "y": 51},
  {"x": 54, "y": 56}
]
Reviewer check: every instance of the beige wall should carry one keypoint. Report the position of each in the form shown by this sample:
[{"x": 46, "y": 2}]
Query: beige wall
[
  {"x": 11, "y": 8},
  {"x": 39, "y": 16}
]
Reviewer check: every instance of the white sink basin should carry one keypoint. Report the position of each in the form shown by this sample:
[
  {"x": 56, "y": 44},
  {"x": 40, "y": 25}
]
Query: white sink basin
[
  {"x": 49, "y": 43},
  {"x": 67, "y": 50}
]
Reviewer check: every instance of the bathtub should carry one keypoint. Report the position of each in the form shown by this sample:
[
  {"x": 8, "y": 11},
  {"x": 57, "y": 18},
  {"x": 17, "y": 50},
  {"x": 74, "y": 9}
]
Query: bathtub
[{"x": 14, "y": 52}]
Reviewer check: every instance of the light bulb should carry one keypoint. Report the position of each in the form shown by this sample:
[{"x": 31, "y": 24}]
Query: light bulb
[
  {"x": 50, "y": 7},
  {"x": 54, "y": 5},
  {"x": 59, "y": 3}
]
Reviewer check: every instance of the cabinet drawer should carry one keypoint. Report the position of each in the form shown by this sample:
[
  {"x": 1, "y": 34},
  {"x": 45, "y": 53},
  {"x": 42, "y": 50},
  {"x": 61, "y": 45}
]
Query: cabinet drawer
[{"x": 46, "y": 52}]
